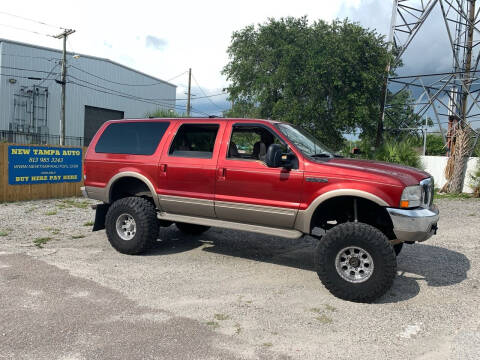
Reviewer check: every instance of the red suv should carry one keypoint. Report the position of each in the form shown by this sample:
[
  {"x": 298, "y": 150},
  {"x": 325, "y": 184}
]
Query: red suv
[{"x": 261, "y": 176}]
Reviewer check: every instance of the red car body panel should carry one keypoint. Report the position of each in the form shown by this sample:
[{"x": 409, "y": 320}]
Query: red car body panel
[
  {"x": 252, "y": 182},
  {"x": 188, "y": 177},
  {"x": 249, "y": 182}
]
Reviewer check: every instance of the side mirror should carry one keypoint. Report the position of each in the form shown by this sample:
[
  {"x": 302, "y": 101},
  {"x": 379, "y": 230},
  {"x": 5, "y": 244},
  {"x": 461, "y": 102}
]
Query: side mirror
[{"x": 273, "y": 158}]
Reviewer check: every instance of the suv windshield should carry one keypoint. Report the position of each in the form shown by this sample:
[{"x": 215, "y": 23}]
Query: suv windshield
[{"x": 306, "y": 143}]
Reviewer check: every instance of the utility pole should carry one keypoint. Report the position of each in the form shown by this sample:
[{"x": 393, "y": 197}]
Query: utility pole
[
  {"x": 189, "y": 94},
  {"x": 63, "y": 82}
]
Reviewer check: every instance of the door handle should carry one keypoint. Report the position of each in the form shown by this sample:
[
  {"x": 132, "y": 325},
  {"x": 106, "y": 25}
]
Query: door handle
[
  {"x": 221, "y": 174},
  {"x": 163, "y": 168}
]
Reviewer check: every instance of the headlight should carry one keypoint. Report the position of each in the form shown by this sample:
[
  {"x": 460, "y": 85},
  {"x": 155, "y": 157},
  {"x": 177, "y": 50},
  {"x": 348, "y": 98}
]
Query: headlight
[{"x": 411, "y": 197}]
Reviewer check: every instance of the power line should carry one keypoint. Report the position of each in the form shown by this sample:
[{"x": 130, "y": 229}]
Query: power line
[
  {"x": 23, "y": 77},
  {"x": 48, "y": 76},
  {"x": 31, "y": 20},
  {"x": 124, "y": 93},
  {"x": 121, "y": 95},
  {"x": 31, "y": 57},
  {"x": 153, "y": 99},
  {"x": 27, "y": 30},
  {"x": 110, "y": 89},
  {"x": 115, "y": 82},
  {"x": 23, "y": 69},
  {"x": 210, "y": 100},
  {"x": 202, "y": 97},
  {"x": 156, "y": 101},
  {"x": 183, "y": 73},
  {"x": 131, "y": 97}
]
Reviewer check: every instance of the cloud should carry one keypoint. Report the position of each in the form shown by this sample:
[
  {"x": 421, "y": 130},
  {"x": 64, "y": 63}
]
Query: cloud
[
  {"x": 155, "y": 42},
  {"x": 429, "y": 52}
]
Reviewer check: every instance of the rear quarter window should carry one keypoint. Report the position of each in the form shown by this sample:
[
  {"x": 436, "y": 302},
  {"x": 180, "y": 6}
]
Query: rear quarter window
[{"x": 136, "y": 138}]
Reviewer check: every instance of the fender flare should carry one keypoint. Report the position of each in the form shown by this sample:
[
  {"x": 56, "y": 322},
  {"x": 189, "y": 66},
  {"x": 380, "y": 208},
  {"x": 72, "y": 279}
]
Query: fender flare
[
  {"x": 133, "y": 174},
  {"x": 304, "y": 217}
]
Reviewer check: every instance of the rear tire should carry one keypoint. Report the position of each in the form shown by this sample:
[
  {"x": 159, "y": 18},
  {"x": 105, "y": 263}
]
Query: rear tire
[
  {"x": 356, "y": 262},
  {"x": 131, "y": 225},
  {"x": 191, "y": 229}
]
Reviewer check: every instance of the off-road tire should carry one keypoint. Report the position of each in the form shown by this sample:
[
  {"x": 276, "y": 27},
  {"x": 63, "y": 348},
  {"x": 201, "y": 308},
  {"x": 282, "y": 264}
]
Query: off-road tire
[
  {"x": 191, "y": 229},
  {"x": 144, "y": 214},
  {"x": 398, "y": 248},
  {"x": 368, "y": 238}
]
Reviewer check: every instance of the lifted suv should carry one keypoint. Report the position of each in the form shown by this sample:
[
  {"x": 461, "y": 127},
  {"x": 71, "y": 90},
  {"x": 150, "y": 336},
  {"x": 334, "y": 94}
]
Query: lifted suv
[{"x": 261, "y": 176}]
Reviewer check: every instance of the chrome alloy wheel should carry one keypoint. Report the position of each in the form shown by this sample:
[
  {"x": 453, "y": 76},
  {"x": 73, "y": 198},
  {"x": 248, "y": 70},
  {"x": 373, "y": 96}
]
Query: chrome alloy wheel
[
  {"x": 126, "y": 227},
  {"x": 354, "y": 264}
]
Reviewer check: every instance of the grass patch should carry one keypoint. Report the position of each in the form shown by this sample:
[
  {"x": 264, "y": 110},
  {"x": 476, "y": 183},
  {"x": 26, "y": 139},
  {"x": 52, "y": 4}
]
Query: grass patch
[
  {"x": 452, "y": 196},
  {"x": 3, "y": 233},
  {"x": 73, "y": 203},
  {"x": 28, "y": 211},
  {"x": 78, "y": 236},
  {"x": 213, "y": 324},
  {"x": 51, "y": 212},
  {"x": 39, "y": 242},
  {"x": 324, "y": 319},
  {"x": 221, "y": 317},
  {"x": 54, "y": 231},
  {"x": 316, "y": 310},
  {"x": 330, "y": 308},
  {"x": 88, "y": 223},
  {"x": 267, "y": 344}
]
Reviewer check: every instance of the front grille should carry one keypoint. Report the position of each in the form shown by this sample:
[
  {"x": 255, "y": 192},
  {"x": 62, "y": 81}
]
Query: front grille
[{"x": 427, "y": 192}]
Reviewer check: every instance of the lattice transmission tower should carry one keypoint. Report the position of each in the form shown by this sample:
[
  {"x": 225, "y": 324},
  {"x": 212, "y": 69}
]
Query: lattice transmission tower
[{"x": 450, "y": 98}]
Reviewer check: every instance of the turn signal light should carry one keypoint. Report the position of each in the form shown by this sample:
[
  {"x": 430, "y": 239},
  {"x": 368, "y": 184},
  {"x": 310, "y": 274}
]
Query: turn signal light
[{"x": 404, "y": 204}]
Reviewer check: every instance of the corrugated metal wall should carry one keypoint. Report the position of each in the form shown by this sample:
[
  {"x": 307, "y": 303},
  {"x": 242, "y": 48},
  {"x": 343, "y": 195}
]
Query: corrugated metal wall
[{"x": 85, "y": 73}]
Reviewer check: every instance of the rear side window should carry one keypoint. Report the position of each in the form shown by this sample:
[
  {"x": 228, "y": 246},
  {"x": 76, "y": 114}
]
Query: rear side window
[
  {"x": 194, "y": 141},
  {"x": 136, "y": 138}
]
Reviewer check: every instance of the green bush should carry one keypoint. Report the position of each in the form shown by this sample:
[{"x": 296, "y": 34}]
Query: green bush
[
  {"x": 403, "y": 153},
  {"x": 163, "y": 113}
]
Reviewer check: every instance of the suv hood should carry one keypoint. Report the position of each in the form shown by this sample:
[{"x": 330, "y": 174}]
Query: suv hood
[{"x": 406, "y": 174}]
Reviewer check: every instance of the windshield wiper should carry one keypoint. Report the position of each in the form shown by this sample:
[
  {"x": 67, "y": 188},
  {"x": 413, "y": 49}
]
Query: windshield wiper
[{"x": 322, "y": 155}]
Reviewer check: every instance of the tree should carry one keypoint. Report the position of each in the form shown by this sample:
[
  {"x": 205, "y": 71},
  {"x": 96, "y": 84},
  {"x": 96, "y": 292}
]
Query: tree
[
  {"x": 162, "y": 113},
  {"x": 326, "y": 77}
]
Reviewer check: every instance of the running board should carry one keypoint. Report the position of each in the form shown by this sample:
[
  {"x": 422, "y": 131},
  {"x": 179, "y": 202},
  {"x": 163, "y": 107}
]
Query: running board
[{"x": 285, "y": 233}]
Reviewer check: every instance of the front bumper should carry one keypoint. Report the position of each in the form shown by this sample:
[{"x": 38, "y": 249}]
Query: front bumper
[{"x": 414, "y": 224}]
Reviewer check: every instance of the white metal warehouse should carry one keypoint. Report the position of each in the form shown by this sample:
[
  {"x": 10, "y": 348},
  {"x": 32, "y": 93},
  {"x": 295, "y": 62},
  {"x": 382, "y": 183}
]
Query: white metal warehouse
[{"x": 98, "y": 90}]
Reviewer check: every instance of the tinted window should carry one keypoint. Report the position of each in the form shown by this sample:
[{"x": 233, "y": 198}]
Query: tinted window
[
  {"x": 195, "y": 141},
  {"x": 137, "y": 138},
  {"x": 251, "y": 142}
]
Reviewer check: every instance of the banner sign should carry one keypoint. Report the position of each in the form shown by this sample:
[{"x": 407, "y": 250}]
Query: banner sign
[{"x": 42, "y": 165}]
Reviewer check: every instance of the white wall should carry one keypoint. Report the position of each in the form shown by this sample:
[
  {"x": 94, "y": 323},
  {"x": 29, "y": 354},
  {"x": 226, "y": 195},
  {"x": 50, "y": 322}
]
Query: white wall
[{"x": 435, "y": 165}]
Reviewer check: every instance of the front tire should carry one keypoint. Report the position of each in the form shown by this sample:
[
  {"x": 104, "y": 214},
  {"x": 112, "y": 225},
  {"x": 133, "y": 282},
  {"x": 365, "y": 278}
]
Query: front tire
[
  {"x": 131, "y": 225},
  {"x": 356, "y": 262}
]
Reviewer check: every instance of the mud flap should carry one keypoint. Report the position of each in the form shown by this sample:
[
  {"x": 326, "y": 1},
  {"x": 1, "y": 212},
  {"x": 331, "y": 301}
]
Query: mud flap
[{"x": 100, "y": 214}]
